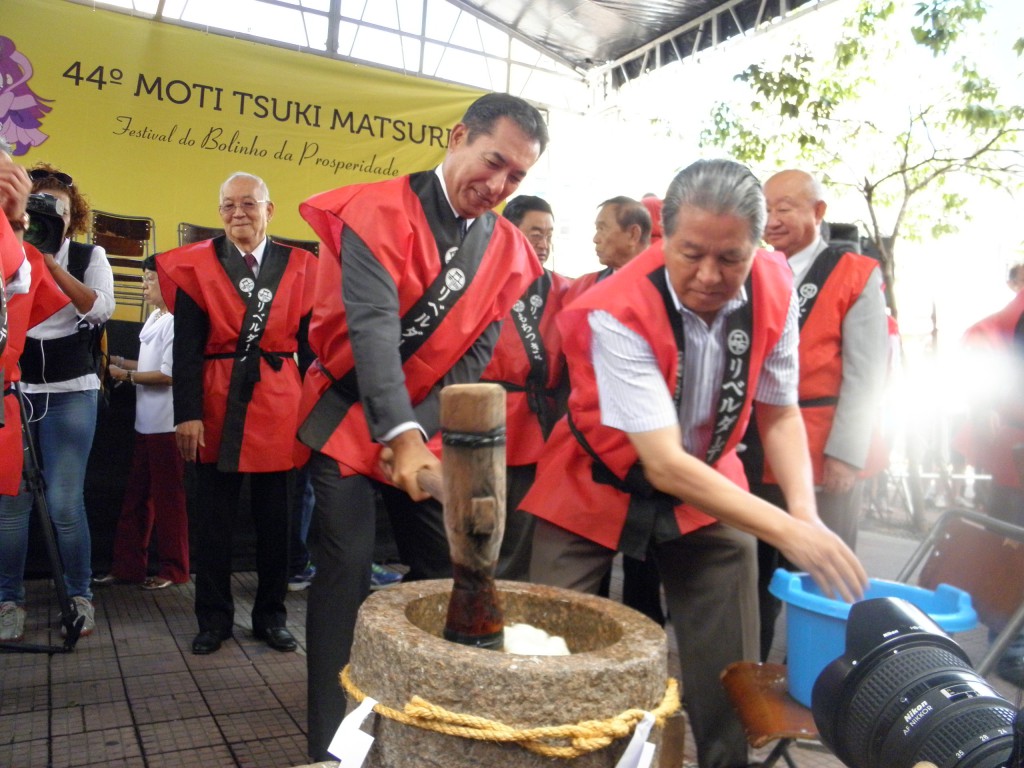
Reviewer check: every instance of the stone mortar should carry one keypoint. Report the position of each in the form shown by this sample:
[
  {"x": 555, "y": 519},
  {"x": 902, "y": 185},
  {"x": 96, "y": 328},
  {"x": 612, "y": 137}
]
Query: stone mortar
[{"x": 618, "y": 662}]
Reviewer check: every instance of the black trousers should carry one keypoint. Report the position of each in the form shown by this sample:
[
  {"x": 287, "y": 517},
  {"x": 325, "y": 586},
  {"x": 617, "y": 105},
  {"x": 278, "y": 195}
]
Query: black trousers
[
  {"x": 216, "y": 504},
  {"x": 514, "y": 557},
  {"x": 341, "y": 543},
  {"x": 710, "y": 583}
]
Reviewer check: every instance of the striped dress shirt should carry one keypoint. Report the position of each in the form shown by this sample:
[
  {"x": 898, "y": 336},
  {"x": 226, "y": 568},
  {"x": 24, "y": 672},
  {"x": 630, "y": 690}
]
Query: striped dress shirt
[{"x": 635, "y": 398}]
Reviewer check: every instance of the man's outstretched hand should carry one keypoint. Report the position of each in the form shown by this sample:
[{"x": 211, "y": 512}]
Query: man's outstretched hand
[{"x": 814, "y": 548}]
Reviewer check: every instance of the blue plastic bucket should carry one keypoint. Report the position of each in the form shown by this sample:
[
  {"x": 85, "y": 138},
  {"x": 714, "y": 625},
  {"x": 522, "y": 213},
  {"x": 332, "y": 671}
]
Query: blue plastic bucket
[{"x": 816, "y": 625}]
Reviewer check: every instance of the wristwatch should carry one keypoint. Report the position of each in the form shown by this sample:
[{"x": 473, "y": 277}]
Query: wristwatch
[
  {"x": 131, "y": 378},
  {"x": 20, "y": 224}
]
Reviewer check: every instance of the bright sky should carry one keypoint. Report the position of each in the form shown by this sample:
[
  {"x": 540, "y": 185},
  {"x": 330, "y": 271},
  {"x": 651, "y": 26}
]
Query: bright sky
[{"x": 963, "y": 274}]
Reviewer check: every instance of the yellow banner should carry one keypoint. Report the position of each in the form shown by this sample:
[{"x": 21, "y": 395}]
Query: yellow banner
[{"x": 149, "y": 118}]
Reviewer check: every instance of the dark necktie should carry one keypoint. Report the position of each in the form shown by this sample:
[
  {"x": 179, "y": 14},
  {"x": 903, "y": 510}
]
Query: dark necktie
[
  {"x": 463, "y": 226},
  {"x": 250, "y": 262}
]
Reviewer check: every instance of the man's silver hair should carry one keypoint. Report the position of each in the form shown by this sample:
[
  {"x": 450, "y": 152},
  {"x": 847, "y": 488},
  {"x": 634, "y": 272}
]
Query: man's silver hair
[
  {"x": 720, "y": 187},
  {"x": 263, "y": 189}
]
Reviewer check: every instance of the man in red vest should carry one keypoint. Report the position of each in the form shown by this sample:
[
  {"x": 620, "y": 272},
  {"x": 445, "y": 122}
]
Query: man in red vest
[
  {"x": 241, "y": 303},
  {"x": 17, "y": 283},
  {"x": 416, "y": 274},
  {"x": 667, "y": 358},
  {"x": 995, "y": 345},
  {"x": 528, "y": 362},
  {"x": 843, "y": 361},
  {"x": 15, "y": 186},
  {"x": 24, "y": 311},
  {"x": 622, "y": 230}
]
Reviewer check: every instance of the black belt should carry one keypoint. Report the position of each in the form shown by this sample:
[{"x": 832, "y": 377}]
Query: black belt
[
  {"x": 819, "y": 402},
  {"x": 275, "y": 359}
]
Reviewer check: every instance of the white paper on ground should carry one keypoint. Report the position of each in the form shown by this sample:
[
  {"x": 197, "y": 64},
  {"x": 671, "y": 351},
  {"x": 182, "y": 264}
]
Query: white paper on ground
[
  {"x": 351, "y": 745},
  {"x": 639, "y": 752}
]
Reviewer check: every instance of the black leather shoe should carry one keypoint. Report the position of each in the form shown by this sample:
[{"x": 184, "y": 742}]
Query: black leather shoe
[
  {"x": 208, "y": 641},
  {"x": 278, "y": 638}
]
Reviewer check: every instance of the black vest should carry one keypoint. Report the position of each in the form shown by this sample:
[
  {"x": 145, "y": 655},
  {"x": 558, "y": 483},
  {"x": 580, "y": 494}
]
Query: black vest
[{"x": 71, "y": 356}]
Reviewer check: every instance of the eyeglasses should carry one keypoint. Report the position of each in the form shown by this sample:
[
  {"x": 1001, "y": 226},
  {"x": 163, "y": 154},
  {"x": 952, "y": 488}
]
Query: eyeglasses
[
  {"x": 247, "y": 206},
  {"x": 38, "y": 174}
]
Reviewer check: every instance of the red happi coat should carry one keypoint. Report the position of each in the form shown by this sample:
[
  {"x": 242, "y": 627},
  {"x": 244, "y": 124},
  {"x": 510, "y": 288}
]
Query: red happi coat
[
  {"x": 510, "y": 367},
  {"x": 271, "y": 418},
  {"x": 11, "y": 258},
  {"x": 24, "y": 311},
  {"x": 389, "y": 217},
  {"x": 994, "y": 336},
  {"x": 821, "y": 359},
  {"x": 583, "y": 283},
  {"x": 565, "y": 492}
]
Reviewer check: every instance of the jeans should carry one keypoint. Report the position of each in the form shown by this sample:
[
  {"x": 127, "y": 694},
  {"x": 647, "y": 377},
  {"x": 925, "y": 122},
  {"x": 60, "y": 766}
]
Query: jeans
[{"x": 62, "y": 426}]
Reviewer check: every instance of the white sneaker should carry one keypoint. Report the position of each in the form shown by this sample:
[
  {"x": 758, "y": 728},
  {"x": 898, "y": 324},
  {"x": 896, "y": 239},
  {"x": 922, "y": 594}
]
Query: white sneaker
[
  {"x": 12, "y": 622},
  {"x": 85, "y": 608}
]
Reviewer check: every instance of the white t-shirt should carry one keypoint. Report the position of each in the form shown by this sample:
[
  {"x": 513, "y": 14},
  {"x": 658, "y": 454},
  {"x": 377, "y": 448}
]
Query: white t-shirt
[{"x": 154, "y": 406}]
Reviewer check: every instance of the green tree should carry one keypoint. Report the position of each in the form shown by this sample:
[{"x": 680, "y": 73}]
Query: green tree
[{"x": 908, "y": 154}]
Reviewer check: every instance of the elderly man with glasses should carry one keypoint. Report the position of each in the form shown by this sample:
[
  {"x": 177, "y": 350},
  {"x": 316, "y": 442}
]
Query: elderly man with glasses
[{"x": 241, "y": 306}]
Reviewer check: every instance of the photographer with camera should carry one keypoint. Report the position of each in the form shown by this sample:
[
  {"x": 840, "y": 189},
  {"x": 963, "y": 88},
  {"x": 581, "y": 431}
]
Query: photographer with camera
[{"x": 60, "y": 380}]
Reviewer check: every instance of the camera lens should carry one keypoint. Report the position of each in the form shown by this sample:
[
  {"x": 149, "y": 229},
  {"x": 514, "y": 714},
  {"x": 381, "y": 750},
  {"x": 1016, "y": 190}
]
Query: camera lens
[
  {"x": 37, "y": 231},
  {"x": 46, "y": 224},
  {"x": 904, "y": 692}
]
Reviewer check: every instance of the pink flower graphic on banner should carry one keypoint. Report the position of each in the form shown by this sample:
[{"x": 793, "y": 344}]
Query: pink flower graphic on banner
[{"x": 21, "y": 111}]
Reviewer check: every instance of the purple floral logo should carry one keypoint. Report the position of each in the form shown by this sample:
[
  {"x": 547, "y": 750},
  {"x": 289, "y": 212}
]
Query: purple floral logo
[{"x": 21, "y": 111}]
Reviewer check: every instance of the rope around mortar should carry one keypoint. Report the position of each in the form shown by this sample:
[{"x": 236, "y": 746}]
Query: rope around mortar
[{"x": 584, "y": 737}]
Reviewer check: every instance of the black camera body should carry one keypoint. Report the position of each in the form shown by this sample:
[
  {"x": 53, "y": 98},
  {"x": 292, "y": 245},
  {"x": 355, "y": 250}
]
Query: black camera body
[
  {"x": 46, "y": 222},
  {"x": 904, "y": 692}
]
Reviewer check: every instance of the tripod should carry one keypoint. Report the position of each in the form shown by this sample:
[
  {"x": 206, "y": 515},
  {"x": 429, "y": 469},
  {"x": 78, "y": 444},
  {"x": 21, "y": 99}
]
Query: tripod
[{"x": 35, "y": 484}]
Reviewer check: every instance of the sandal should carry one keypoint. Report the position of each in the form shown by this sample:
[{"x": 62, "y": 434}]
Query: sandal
[{"x": 156, "y": 582}]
